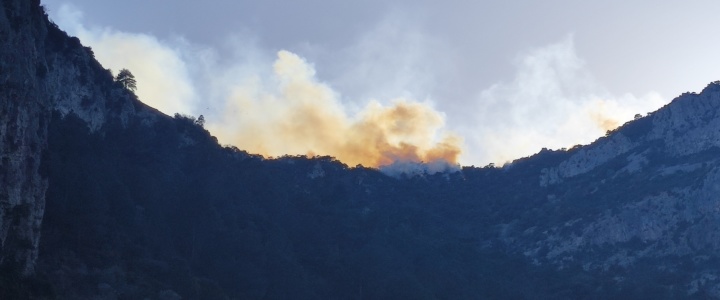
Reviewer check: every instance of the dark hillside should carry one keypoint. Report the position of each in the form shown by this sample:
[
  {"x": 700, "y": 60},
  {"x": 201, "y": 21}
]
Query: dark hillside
[
  {"x": 103, "y": 197},
  {"x": 141, "y": 210}
]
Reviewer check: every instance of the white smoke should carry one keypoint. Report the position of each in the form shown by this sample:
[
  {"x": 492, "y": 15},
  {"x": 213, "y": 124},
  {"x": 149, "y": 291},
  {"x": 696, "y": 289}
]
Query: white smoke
[
  {"x": 273, "y": 107},
  {"x": 553, "y": 102},
  {"x": 272, "y": 102},
  {"x": 160, "y": 67}
]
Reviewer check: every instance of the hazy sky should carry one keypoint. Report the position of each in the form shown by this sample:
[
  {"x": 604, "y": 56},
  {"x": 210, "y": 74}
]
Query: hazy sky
[{"x": 502, "y": 78}]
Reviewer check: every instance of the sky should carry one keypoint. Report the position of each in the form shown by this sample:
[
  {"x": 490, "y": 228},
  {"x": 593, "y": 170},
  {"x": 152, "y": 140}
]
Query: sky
[{"x": 372, "y": 82}]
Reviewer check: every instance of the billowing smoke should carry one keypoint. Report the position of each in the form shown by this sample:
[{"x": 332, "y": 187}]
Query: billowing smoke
[
  {"x": 293, "y": 113},
  {"x": 272, "y": 109},
  {"x": 272, "y": 103},
  {"x": 552, "y": 102},
  {"x": 161, "y": 71}
]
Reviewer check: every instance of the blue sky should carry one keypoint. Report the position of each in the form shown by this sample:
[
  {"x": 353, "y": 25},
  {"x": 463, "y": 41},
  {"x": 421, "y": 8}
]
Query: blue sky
[{"x": 501, "y": 78}]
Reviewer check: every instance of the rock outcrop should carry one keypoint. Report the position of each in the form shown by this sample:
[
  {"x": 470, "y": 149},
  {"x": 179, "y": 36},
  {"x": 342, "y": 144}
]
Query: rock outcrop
[
  {"x": 654, "y": 189},
  {"x": 182, "y": 209},
  {"x": 42, "y": 70},
  {"x": 24, "y": 115}
]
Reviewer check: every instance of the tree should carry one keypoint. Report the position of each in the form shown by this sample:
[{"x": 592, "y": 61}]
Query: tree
[
  {"x": 127, "y": 79},
  {"x": 200, "y": 121}
]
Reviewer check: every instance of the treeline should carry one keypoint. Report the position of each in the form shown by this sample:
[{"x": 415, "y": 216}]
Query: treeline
[{"x": 164, "y": 211}]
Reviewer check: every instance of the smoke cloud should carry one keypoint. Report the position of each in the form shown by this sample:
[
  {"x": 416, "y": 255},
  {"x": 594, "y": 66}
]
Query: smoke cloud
[
  {"x": 273, "y": 103},
  {"x": 161, "y": 70},
  {"x": 273, "y": 109},
  {"x": 293, "y": 113},
  {"x": 552, "y": 102}
]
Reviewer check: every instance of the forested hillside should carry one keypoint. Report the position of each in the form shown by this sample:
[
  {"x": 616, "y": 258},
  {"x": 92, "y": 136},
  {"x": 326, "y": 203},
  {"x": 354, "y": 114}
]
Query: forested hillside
[{"x": 103, "y": 197}]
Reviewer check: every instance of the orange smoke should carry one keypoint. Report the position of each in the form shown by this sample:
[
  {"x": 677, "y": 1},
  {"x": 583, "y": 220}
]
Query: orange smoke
[
  {"x": 299, "y": 115},
  {"x": 599, "y": 116}
]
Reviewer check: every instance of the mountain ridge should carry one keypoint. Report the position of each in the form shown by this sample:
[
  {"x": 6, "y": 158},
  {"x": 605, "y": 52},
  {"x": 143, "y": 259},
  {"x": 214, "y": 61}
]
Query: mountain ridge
[
  {"x": 684, "y": 112},
  {"x": 41, "y": 70},
  {"x": 104, "y": 197}
]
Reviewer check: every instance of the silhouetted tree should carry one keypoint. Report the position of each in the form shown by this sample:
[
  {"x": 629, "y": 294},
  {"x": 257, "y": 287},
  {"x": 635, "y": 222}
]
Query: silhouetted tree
[
  {"x": 127, "y": 79},
  {"x": 200, "y": 121}
]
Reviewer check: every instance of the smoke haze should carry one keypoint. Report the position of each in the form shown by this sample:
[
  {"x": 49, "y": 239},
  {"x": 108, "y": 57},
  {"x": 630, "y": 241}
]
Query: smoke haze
[
  {"x": 272, "y": 102},
  {"x": 299, "y": 115},
  {"x": 552, "y": 102}
]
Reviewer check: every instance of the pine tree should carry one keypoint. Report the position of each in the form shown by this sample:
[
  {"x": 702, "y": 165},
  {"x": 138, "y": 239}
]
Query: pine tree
[{"x": 127, "y": 79}]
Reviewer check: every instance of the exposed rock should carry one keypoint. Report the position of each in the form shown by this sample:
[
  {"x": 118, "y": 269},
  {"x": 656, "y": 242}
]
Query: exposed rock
[
  {"x": 591, "y": 156},
  {"x": 41, "y": 71},
  {"x": 649, "y": 190},
  {"x": 24, "y": 115}
]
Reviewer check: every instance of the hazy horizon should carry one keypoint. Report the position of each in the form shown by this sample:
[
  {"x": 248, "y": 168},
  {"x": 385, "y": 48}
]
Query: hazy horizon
[{"x": 372, "y": 82}]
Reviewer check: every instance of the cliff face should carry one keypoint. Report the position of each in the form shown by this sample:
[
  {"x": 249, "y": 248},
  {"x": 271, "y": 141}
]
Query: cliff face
[
  {"x": 41, "y": 70},
  {"x": 23, "y": 132},
  {"x": 143, "y": 205},
  {"x": 651, "y": 192},
  {"x": 688, "y": 125}
]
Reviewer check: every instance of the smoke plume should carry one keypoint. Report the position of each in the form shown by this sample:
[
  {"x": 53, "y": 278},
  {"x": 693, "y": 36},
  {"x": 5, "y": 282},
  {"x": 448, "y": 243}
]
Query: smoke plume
[
  {"x": 552, "y": 102},
  {"x": 296, "y": 114},
  {"x": 276, "y": 105}
]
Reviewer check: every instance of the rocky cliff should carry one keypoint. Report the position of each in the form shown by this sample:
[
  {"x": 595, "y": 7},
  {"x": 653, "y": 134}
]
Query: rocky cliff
[
  {"x": 652, "y": 189},
  {"x": 41, "y": 70},
  {"x": 133, "y": 204},
  {"x": 23, "y": 132}
]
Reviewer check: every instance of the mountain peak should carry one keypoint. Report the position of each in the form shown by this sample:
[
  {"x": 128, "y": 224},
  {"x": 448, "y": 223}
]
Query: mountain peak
[
  {"x": 688, "y": 125},
  {"x": 131, "y": 203}
]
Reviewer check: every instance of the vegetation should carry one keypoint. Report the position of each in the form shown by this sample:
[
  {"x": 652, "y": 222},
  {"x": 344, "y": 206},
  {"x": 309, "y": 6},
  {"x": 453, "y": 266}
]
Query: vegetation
[
  {"x": 126, "y": 79},
  {"x": 142, "y": 211},
  {"x": 158, "y": 210}
]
